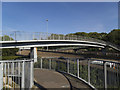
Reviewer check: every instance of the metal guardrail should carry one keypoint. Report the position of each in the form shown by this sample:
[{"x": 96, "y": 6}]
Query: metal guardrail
[
  {"x": 96, "y": 73},
  {"x": 16, "y": 74}
]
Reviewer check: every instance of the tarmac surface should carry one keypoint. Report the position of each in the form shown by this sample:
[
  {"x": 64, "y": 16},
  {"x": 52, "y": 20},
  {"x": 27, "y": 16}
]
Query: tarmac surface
[{"x": 49, "y": 79}]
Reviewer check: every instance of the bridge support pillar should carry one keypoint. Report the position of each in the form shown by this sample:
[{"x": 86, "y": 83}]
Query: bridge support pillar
[{"x": 33, "y": 53}]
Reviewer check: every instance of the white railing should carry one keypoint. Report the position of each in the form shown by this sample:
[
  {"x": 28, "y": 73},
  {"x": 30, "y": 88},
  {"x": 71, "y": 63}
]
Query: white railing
[
  {"x": 16, "y": 74},
  {"x": 21, "y": 35},
  {"x": 96, "y": 73}
]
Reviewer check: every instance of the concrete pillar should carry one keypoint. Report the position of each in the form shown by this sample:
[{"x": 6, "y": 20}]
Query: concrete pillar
[
  {"x": 33, "y": 53},
  {"x": 19, "y": 50}
]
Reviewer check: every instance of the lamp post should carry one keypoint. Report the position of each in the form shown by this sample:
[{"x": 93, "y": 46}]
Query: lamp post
[
  {"x": 47, "y": 31},
  {"x": 47, "y": 27}
]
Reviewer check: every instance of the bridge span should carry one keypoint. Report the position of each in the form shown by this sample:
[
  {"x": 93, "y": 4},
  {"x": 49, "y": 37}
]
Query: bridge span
[
  {"x": 75, "y": 67},
  {"x": 34, "y": 40}
]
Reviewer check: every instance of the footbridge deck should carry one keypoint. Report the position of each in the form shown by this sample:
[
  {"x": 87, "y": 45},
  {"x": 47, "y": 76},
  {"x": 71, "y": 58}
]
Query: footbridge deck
[{"x": 16, "y": 39}]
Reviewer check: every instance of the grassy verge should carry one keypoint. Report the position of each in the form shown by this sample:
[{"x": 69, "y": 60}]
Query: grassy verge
[{"x": 13, "y": 57}]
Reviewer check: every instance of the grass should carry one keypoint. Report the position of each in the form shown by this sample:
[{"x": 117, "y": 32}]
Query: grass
[{"x": 12, "y": 57}]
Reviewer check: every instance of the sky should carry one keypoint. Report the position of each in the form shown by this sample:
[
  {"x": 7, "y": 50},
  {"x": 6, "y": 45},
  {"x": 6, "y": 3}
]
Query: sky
[{"x": 63, "y": 17}]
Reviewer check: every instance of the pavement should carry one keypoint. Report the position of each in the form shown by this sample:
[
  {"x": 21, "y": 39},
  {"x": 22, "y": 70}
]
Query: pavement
[{"x": 49, "y": 79}]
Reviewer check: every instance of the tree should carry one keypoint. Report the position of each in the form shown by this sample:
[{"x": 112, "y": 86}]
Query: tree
[
  {"x": 6, "y": 38},
  {"x": 94, "y": 35},
  {"x": 8, "y": 52},
  {"x": 114, "y": 37},
  {"x": 81, "y": 34}
]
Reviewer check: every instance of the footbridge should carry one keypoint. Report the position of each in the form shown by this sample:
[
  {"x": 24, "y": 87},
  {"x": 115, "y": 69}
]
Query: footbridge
[
  {"x": 94, "y": 73},
  {"x": 17, "y": 39}
]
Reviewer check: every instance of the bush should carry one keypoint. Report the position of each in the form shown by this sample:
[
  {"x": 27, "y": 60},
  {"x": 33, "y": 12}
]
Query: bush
[{"x": 9, "y": 52}]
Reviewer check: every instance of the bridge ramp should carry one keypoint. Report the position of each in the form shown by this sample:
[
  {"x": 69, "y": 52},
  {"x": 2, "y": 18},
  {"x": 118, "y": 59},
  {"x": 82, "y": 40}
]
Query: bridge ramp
[{"x": 51, "y": 79}]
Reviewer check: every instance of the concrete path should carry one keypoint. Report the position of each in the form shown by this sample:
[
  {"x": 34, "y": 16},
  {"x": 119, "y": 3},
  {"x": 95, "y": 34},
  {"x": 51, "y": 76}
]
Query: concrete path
[{"x": 51, "y": 79}]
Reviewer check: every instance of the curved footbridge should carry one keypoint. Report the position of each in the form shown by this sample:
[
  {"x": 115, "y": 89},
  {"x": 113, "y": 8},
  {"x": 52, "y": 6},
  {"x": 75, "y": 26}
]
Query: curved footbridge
[
  {"x": 40, "y": 43},
  {"x": 50, "y": 78},
  {"x": 33, "y": 44}
]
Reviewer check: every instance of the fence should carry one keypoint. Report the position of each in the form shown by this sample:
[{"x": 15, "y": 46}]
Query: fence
[
  {"x": 16, "y": 74},
  {"x": 21, "y": 35},
  {"x": 96, "y": 73}
]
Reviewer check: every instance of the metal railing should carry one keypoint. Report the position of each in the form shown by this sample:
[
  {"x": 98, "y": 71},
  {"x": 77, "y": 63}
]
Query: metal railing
[
  {"x": 96, "y": 73},
  {"x": 16, "y": 74},
  {"x": 21, "y": 35}
]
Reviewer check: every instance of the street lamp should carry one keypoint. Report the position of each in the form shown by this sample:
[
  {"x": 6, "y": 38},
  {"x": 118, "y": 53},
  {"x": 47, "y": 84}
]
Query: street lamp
[
  {"x": 47, "y": 31},
  {"x": 47, "y": 27}
]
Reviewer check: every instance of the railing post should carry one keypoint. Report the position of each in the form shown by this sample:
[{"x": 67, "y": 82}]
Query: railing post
[
  {"x": 105, "y": 75},
  {"x": 58, "y": 65},
  {"x": 13, "y": 69},
  {"x": 53, "y": 36},
  {"x": 1, "y": 76},
  {"x": 33, "y": 36},
  {"x": 15, "y": 35},
  {"x": 40, "y": 36},
  {"x": 89, "y": 71},
  {"x": 50, "y": 64},
  {"x": 5, "y": 74},
  {"x": 23, "y": 74},
  {"x": 78, "y": 68},
  {"x": 68, "y": 65},
  {"x": 31, "y": 73},
  {"x": 59, "y": 37},
  {"x": 41, "y": 63}
]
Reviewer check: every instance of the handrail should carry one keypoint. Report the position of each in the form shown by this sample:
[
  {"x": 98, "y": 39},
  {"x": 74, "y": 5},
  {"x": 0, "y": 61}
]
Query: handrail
[
  {"x": 22, "y": 35},
  {"x": 16, "y": 74},
  {"x": 86, "y": 69},
  {"x": 3, "y": 61}
]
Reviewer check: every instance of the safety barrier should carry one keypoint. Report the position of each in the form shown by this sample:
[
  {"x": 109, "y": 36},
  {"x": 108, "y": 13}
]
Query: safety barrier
[
  {"x": 22, "y": 35},
  {"x": 16, "y": 74},
  {"x": 95, "y": 73}
]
